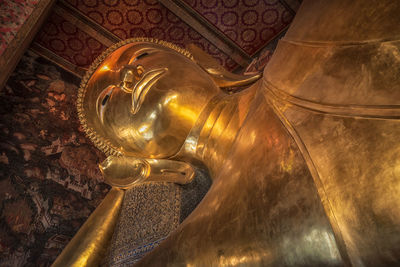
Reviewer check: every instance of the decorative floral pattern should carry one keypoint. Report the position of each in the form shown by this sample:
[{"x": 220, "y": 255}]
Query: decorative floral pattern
[
  {"x": 154, "y": 209},
  {"x": 69, "y": 42},
  {"x": 49, "y": 179},
  {"x": 249, "y": 23},
  {"x": 148, "y": 18},
  {"x": 13, "y": 14}
]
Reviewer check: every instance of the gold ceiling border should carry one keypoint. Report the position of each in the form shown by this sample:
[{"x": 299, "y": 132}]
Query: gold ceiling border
[{"x": 99, "y": 141}]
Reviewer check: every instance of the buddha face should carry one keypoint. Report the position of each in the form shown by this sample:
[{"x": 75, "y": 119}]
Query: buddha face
[{"x": 145, "y": 97}]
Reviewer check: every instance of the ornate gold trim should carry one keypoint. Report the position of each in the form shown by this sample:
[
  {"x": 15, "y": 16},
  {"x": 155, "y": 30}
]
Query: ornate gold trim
[{"x": 101, "y": 142}]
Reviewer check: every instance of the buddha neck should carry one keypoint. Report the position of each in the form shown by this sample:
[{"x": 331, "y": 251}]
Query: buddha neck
[{"x": 214, "y": 132}]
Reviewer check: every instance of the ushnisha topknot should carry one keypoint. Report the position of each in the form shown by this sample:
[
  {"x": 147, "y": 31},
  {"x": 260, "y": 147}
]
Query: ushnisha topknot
[{"x": 99, "y": 141}]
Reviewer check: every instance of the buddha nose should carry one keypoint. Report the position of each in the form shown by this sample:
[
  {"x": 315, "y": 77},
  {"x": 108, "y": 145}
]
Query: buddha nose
[{"x": 130, "y": 76}]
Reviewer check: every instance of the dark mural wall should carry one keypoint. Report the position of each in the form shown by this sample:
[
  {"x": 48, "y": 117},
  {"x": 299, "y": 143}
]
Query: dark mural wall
[{"x": 49, "y": 180}]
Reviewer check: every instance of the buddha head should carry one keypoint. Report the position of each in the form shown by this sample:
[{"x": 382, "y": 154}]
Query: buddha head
[{"x": 142, "y": 96}]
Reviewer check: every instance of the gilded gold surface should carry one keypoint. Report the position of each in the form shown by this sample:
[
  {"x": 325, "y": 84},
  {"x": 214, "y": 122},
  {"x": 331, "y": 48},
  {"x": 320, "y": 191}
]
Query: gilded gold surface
[
  {"x": 125, "y": 172},
  {"x": 220, "y": 76},
  {"x": 164, "y": 76},
  {"x": 305, "y": 163}
]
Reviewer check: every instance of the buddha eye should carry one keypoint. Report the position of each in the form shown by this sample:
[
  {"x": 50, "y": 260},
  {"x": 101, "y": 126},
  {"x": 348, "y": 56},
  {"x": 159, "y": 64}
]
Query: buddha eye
[
  {"x": 102, "y": 101},
  {"x": 107, "y": 96},
  {"x": 105, "y": 99},
  {"x": 141, "y": 56}
]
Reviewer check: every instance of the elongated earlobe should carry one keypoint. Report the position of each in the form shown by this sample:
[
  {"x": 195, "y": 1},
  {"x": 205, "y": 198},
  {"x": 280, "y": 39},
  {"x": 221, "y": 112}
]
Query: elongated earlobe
[{"x": 219, "y": 74}]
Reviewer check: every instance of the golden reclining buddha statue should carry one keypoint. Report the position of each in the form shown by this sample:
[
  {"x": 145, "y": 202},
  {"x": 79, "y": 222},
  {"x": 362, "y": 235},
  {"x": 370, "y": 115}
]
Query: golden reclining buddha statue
[{"x": 304, "y": 162}]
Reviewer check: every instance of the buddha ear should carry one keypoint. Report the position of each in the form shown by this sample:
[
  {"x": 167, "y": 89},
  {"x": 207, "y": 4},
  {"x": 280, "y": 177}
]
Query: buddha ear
[{"x": 219, "y": 74}]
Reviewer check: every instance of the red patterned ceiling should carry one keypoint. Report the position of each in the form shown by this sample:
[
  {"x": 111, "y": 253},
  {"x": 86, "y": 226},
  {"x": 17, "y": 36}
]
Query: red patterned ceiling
[
  {"x": 249, "y": 23},
  {"x": 129, "y": 18},
  {"x": 69, "y": 42}
]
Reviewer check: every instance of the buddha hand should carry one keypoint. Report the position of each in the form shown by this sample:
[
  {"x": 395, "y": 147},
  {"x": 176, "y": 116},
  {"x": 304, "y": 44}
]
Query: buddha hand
[{"x": 125, "y": 172}]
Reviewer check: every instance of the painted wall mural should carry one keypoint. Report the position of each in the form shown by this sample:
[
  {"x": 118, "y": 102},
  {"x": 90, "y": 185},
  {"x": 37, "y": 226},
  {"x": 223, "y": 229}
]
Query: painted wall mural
[{"x": 49, "y": 180}]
